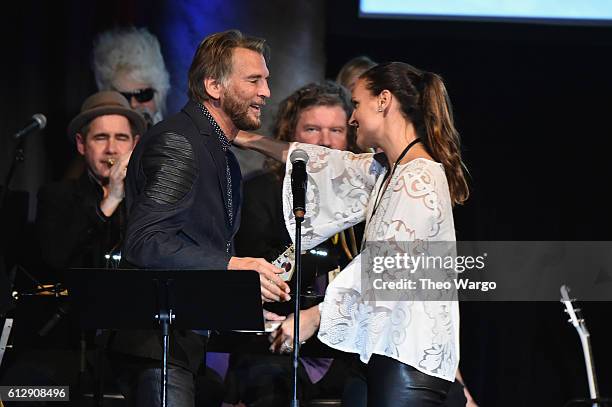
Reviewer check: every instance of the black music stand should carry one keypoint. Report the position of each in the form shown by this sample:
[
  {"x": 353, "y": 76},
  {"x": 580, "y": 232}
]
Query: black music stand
[{"x": 156, "y": 299}]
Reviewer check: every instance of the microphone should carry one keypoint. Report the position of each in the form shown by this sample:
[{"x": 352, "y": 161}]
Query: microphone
[
  {"x": 299, "y": 180},
  {"x": 37, "y": 122}
]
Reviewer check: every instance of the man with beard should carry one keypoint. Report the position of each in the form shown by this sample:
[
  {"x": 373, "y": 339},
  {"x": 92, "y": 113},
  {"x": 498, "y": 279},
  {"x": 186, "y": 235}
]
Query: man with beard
[{"x": 183, "y": 200}]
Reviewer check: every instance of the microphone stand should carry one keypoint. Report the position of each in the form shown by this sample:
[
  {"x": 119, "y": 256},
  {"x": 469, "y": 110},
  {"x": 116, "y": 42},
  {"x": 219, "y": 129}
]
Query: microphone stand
[
  {"x": 299, "y": 180},
  {"x": 17, "y": 157},
  {"x": 39, "y": 122},
  {"x": 299, "y": 218}
]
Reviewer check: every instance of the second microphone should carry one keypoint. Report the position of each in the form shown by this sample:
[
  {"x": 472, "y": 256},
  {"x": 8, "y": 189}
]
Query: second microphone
[{"x": 299, "y": 181}]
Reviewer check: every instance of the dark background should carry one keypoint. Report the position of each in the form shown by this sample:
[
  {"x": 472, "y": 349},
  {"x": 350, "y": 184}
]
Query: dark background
[{"x": 532, "y": 102}]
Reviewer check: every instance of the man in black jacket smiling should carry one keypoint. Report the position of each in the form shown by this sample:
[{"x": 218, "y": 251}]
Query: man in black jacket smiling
[{"x": 183, "y": 200}]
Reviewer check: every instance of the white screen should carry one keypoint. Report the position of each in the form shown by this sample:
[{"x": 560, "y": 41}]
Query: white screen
[{"x": 589, "y": 10}]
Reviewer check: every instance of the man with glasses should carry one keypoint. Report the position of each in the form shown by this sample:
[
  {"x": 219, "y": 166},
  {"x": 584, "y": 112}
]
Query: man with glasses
[
  {"x": 139, "y": 97},
  {"x": 129, "y": 61}
]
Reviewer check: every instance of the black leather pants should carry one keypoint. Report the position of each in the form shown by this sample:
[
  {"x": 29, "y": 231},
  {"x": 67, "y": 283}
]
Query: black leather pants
[{"x": 395, "y": 384}]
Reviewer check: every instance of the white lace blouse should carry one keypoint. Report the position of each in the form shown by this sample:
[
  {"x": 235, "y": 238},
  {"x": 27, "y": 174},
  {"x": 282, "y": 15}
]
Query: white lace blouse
[{"x": 416, "y": 205}]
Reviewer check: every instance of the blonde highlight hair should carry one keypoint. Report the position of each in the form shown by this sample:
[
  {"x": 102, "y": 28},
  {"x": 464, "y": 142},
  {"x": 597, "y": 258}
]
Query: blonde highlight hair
[{"x": 213, "y": 59}]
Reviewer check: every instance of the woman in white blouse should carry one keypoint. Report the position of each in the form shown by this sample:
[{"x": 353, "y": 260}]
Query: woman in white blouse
[{"x": 410, "y": 347}]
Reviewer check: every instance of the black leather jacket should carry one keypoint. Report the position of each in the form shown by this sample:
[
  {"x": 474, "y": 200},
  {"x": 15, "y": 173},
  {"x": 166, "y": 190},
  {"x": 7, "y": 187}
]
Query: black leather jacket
[
  {"x": 176, "y": 200},
  {"x": 176, "y": 196}
]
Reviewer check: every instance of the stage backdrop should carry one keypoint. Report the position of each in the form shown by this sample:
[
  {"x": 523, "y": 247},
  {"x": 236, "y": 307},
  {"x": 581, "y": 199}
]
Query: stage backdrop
[{"x": 532, "y": 103}]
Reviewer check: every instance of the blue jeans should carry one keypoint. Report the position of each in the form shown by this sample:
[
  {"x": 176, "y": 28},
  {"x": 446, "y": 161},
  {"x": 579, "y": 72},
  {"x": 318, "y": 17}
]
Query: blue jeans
[{"x": 141, "y": 386}]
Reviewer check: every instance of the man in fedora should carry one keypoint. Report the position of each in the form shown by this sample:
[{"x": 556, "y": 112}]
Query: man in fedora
[{"x": 78, "y": 221}]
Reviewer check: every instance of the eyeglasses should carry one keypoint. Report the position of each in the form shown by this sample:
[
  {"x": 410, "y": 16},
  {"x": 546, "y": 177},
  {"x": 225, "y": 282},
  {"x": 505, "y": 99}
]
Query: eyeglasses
[{"x": 141, "y": 95}]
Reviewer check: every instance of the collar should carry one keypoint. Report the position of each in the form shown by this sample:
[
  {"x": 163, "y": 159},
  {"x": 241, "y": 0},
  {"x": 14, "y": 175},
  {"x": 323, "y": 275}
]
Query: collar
[
  {"x": 225, "y": 143},
  {"x": 89, "y": 181}
]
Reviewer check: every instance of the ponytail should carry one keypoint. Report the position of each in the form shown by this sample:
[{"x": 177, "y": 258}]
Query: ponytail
[
  {"x": 425, "y": 103},
  {"x": 442, "y": 138}
]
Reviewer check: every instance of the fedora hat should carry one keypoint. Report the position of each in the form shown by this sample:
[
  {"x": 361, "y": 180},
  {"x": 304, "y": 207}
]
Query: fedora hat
[{"x": 105, "y": 103}]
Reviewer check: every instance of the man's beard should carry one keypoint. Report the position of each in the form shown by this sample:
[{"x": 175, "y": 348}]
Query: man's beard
[{"x": 238, "y": 112}]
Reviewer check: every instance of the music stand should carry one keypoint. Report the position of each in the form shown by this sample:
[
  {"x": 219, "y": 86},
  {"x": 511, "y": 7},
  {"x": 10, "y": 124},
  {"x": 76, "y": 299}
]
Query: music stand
[{"x": 185, "y": 299}]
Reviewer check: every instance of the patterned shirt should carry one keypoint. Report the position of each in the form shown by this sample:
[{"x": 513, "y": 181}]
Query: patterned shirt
[
  {"x": 415, "y": 207},
  {"x": 225, "y": 145}
]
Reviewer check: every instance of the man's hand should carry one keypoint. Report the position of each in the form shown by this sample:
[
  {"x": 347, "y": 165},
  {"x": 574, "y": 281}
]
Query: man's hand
[
  {"x": 118, "y": 171},
  {"x": 282, "y": 338},
  {"x": 272, "y": 317},
  {"x": 114, "y": 191},
  {"x": 273, "y": 288}
]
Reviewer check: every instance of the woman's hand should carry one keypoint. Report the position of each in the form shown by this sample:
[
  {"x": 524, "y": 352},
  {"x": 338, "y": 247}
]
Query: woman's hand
[{"x": 282, "y": 338}]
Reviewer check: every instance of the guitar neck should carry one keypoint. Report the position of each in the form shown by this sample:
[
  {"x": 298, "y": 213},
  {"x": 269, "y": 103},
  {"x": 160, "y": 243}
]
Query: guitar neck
[
  {"x": 585, "y": 339},
  {"x": 577, "y": 321}
]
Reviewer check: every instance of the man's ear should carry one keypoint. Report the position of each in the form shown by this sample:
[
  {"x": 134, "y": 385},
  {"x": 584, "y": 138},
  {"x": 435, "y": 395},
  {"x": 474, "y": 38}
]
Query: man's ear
[
  {"x": 136, "y": 139},
  {"x": 80, "y": 143},
  {"x": 213, "y": 87}
]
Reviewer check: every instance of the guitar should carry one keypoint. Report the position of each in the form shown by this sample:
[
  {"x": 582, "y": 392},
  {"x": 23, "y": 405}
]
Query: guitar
[
  {"x": 577, "y": 320},
  {"x": 286, "y": 261}
]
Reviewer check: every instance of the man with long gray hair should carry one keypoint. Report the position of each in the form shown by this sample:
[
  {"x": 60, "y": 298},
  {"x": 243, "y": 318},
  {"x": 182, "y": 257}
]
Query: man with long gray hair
[{"x": 129, "y": 61}]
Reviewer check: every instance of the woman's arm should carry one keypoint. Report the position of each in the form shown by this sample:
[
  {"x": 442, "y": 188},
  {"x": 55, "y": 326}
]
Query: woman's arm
[{"x": 268, "y": 146}]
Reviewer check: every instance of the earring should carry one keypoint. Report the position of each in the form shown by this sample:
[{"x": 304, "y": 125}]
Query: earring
[{"x": 380, "y": 109}]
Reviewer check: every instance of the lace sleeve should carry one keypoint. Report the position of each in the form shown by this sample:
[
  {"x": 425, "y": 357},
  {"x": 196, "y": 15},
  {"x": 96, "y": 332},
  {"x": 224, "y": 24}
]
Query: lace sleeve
[{"x": 338, "y": 192}]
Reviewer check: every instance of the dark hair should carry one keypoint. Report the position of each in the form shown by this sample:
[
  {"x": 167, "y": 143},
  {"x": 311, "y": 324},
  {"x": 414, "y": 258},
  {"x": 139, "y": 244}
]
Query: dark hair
[
  {"x": 213, "y": 59},
  {"x": 354, "y": 67},
  {"x": 425, "y": 102},
  {"x": 326, "y": 93}
]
